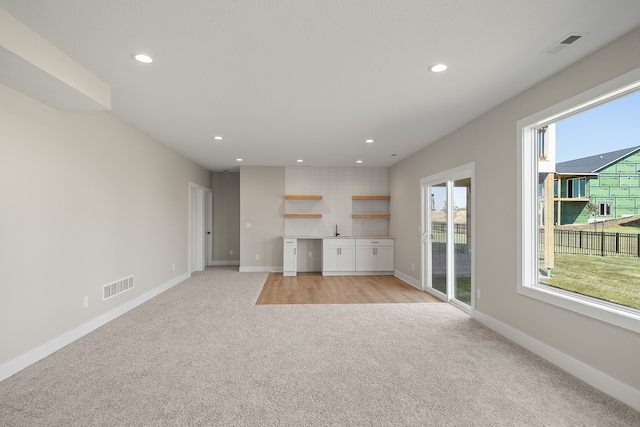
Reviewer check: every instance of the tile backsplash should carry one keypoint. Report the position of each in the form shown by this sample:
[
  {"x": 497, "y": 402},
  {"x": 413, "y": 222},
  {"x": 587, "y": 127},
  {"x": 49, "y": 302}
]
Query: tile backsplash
[{"x": 336, "y": 186}]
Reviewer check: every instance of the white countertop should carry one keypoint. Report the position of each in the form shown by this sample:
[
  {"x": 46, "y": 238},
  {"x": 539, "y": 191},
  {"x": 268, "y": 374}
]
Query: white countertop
[{"x": 337, "y": 237}]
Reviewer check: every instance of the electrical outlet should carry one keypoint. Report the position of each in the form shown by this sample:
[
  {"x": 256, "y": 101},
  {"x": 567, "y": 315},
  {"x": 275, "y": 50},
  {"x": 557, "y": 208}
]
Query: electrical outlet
[
  {"x": 257, "y": 257},
  {"x": 310, "y": 254},
  {"x": 230, "y": 251},
  {"x": 86, "y": 302},
  {"x": 413, "y": 266},
  {"x": 478, "y": 294},
  {"x": 173, "y": 267},
  {"x": 247, "y": 225}
]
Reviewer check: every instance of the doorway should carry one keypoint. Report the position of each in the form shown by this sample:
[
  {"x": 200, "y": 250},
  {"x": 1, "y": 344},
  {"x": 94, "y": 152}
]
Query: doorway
[
  {"x": 447, "y": 236},
  {"x": 200, "y": 227}
]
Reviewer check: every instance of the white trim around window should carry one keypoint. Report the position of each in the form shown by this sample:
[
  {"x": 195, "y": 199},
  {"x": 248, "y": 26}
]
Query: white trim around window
[
  {"x": 604, "y": 208},
  {"x": 527, "y": 232}
]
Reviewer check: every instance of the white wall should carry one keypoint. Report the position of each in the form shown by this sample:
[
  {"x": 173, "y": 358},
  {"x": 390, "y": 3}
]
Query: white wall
[
  {"x": 262, "y": 206},
  {"x": 85, "y": 200},
  {"x": 490, "y": 141},
  {"x": 336, "y": 185}
]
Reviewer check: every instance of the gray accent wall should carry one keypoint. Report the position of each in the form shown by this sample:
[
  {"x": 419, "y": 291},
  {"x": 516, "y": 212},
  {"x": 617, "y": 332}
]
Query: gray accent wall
[
  {"x": 226, "y": 218},
  {"x": 85, "y": 200},
  {"x": 490, "y": 141}
]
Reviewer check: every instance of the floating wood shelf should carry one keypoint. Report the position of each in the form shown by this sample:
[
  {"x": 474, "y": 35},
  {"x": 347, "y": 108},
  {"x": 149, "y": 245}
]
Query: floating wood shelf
[
  {"x": 371, "y": 216},
  {"x": 371, "y": 197},
  {"x": 303, "y": 215},
  {"x": 303, "y": 196}
]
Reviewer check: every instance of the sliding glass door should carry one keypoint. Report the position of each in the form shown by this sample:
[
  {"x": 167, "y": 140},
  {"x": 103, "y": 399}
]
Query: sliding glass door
[
  {"x": 437, "y": 239},
  {"x": 462, "y": 240},
  {"x": 447, "y": 264}
]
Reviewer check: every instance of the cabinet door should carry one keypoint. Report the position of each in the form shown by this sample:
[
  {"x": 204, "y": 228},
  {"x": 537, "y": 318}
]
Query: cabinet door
[
  {"x": 330, "y": 258},
  {"x": 365, "y": 260},
  {"x": 290, "y": 259},
  {"x": 347, "y": 259},
  {"x": 384, "y": 258}
]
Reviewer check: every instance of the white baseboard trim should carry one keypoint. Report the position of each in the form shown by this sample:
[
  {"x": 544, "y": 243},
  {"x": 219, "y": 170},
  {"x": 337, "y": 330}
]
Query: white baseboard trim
[
  {"x": 586, "y": 373},
  {"x": 260, "y": 270},
  {"x": 410, "y": 280},
  {"x": 356, "y": 273},
  {"x": 19, "y": 363},
  {"x": 226, "y": 262}
]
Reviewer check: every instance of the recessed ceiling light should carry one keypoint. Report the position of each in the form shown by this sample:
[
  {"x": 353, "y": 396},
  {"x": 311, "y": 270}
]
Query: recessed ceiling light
[
  {"x": 369, "y": 141},
  {"x": 141, "y": 57},
  {"x": 299, "y": 160},
  {"x": 219, "y": 138},
  {"x": 238, "y": 160},
  {"x": 358, "y": 161},
  {"x": 437, "y": 68}
]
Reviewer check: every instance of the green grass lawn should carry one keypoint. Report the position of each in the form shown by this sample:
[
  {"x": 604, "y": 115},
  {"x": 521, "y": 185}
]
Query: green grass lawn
[
  {"x": 463, "y": 285},
  {"x": 615, "y": 279}
]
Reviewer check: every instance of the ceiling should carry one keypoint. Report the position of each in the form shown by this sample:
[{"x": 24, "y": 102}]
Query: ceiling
[{"x": 282, "y": 80}]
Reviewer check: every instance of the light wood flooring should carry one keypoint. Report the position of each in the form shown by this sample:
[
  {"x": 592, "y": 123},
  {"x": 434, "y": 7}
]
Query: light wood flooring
[{"x": 313, "y": 288}]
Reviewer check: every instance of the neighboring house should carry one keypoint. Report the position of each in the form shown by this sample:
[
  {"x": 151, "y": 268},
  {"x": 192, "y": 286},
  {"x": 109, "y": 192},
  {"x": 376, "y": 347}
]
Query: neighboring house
[{"x": 611, "y": 181}]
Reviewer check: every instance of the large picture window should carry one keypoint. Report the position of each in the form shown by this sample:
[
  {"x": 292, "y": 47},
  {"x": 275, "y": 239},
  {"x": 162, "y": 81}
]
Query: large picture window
[{"x": 574, "y": 248}]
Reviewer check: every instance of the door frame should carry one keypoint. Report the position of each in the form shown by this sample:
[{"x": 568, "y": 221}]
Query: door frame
[{"x": 449, "y": 176}]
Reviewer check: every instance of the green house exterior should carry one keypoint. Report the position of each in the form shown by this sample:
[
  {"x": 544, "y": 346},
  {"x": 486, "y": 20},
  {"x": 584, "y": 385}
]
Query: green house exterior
[{"x": 610, "y": 181}]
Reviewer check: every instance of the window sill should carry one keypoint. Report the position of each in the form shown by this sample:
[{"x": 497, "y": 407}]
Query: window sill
[{"x": 627, "y": 318}]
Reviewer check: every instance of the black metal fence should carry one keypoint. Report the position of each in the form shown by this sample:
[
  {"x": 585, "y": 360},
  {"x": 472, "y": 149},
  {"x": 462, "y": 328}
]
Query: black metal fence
[
  {"x": 440, "y": 229},
  {"x": 583, "y": 242}
]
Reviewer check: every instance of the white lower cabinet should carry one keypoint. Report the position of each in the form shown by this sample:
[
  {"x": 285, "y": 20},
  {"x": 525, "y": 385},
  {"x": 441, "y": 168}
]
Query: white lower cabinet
[
  {"x": 290, "y": 260},
  {"x": 338, "y": 255},
  {"x": 375, "y": 255},
  {"x": 357, "y": 256}
]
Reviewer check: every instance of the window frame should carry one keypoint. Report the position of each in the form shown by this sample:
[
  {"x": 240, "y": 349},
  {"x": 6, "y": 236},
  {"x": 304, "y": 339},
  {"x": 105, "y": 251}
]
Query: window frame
[
  {"x": 527, "y": 222},
  {"x": 541, "y": 137},
  {"x": 608, "y": 208},
  {"x": 581, "y": 184}
]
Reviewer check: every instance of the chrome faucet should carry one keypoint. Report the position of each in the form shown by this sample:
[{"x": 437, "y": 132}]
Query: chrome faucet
[{"x": 337, "y": 234}]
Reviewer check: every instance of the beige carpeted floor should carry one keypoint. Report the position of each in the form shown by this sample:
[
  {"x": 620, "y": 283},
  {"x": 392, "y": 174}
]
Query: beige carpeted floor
[{"x": 203, "y": 354}]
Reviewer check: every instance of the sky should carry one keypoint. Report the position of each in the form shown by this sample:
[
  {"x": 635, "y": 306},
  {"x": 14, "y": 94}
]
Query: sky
[{"x": 608, "y": 127}]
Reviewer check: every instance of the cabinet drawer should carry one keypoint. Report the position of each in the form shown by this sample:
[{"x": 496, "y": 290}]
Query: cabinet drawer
[
  {"x": 341, "y": 243},
  {"x": 290, "y": 243},
  {"x": 374, "y": 242}
]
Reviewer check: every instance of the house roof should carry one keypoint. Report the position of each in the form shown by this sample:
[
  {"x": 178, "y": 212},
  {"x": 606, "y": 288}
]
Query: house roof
[{"x": 593, "y": 164}]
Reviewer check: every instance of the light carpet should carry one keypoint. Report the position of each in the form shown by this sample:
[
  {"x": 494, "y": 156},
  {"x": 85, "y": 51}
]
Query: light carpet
[{"x": 202, "y": 353}]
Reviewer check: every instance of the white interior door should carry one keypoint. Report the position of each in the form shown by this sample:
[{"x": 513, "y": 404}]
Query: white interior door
[
  {"x": 208, "y": 214},
  {"x": 200, "y": 213}
]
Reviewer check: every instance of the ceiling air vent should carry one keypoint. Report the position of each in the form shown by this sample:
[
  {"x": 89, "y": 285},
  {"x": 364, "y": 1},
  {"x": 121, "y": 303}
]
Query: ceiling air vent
[{"x": 564, "y": 42}]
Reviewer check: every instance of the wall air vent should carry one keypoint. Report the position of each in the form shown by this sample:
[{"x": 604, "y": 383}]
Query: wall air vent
[
  {"x": 117, "y": 287},
  {"x": 564, "y": 42}
]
